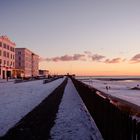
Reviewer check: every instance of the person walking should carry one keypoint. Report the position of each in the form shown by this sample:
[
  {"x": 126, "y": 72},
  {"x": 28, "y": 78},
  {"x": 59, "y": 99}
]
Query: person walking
[{"x": 107, "y": 88}]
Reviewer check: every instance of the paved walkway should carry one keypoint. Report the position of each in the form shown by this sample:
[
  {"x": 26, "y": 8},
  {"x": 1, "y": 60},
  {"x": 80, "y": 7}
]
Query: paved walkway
[
  {"x": 61, "y": 116},
  {"x": 73, "y": 120},
  {"x": 36, "y": 125},
  {"x": 5, "y": 80}
]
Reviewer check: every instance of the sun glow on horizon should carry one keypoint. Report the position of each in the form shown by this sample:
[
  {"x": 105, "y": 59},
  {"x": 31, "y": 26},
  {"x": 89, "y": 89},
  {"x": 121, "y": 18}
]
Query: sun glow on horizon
[{"x": 91, "y": 68}]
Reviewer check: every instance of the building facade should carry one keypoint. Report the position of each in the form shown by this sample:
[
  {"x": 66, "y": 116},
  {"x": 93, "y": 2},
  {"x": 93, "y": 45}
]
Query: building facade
[
  {"x": 7, "y": 57},
  {"x": 27, "y": 63},
  {"x": 44, "y": 73}
]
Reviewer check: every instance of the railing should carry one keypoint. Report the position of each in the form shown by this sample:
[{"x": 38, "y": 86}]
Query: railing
[{"x": 114, "y": 122}]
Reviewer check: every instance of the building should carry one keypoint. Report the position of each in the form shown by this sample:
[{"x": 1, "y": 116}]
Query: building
[
  {"x": 27, "y": 63},
  {"x": 44, "y": 73},
  {"x": 7, "y": 57}
]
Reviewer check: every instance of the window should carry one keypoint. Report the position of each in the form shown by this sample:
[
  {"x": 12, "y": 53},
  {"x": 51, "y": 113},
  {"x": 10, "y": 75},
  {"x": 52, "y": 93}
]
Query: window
[
  {"x": 19, "y": 53},
  {"x": 4, "y": 62},
  {"x": 0, "y": 52},
  {"x": 11, "y": 49},
  {"x": 0, "y": 61},
  {"x": 4, "y": 53},
  {"x": 8, "y": 47},
  {"x": 4, "y": 46},
  {"x": 7, "y": 54},
  {"x": 19, "y": 64},
  {"x": 19, "y": 58},
  {"x": 7, "y": 63}
]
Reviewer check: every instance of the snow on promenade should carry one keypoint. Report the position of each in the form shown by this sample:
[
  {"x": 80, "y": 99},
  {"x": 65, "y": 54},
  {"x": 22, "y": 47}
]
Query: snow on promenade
[
  {"x": 120, "y": 89},
  {"x": 73, "y": 121},
  {"x": 16, "y": 100}
]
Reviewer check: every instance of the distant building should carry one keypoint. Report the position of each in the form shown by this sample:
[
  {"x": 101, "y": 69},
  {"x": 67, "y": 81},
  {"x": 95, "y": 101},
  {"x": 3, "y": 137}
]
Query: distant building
[
  {"x": 7, "y": 57},
  {"x": 27, "y": 63},
  {"x": 43, "y": 72}
]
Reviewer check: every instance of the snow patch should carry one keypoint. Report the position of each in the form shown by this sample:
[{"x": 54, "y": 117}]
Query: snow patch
[
  {"x": 16, "y": 100},
  {"x": 73, "y": 120},
  {"x": 120, "y": 89}
]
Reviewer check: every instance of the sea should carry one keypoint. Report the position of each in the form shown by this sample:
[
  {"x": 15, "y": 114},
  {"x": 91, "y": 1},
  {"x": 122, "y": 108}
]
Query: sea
[{"x": 110, "y": 78}]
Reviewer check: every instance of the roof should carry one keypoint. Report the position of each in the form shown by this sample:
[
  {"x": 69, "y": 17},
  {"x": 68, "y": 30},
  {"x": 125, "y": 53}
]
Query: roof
[
  {"x": 27, "y": 50},
  {"x": 7, "y": 39}
]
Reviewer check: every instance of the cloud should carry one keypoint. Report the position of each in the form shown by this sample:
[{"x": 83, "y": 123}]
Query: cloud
[
  {"x": 88, "y": 52},
  {"x": 97, "y": 57},
  {"x": 74, "y": 57},
  {"x": 79, "y": 57},
  {"x": 85, "y": 56},
  {"x": 114, "y": 60},
  {"x": 135, "y": 59},
  {"x": 94, "y": 57}
]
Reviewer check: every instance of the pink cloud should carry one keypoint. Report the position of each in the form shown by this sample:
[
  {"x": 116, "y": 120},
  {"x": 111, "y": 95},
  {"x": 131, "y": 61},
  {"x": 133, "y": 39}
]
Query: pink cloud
[
  {"x": 79, "y": 57},
  {"x": 135, "y": 59},
  {"x": 94, "y": 57},
  {"x": 74, "y": 57},
  {"x": 97, "y": 57},
  {"x": 87, "y": 55},
  {"x": 114, "y": 60}
]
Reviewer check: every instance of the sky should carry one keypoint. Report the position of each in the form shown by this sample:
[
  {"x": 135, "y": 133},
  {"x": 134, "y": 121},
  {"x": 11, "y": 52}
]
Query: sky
[{"x": 84, "y": 37}]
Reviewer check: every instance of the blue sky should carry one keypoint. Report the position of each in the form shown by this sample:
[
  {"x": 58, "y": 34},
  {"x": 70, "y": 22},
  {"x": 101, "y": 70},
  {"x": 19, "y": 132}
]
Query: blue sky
[{"x": 54, "y": 28}]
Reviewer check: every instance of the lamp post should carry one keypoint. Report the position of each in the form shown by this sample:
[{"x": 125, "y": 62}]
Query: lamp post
[
  {"x": 0, "y": 71},
  {"x": 3, "y": 71},
  {"x": 10, "y": 71},
  {"x": 32, "y": 65},
  {"x": 7, "y": 74}
]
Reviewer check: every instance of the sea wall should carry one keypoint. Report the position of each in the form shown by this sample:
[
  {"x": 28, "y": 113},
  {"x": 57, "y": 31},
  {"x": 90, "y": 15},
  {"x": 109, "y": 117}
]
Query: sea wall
[{"x": 113, "y": 116}]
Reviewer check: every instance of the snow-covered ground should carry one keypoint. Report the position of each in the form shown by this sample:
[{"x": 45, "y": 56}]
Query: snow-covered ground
[
  {"x": 16, "y": 100},
  {"x": 120, "y": 89},
  {"x": 73, "y": 121}
]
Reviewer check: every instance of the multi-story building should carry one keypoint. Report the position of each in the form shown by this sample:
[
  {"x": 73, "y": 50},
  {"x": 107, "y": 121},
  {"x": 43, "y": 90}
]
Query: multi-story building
[
  {"x": 7, "y": 57},
  {"x": 27, "y": 63}
]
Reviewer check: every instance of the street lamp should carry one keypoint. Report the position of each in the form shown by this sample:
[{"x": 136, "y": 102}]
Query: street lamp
[
  {"x": 32, "y": 65},
  {"x": 0, "y": 70},
  {"x": 10, "y": 70}
]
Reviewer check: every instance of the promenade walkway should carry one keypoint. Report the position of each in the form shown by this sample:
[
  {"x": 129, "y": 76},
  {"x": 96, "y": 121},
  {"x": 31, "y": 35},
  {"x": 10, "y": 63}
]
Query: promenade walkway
[{"x": 61, "y": 116}]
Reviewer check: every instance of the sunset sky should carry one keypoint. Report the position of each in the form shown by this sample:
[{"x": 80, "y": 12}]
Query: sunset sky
[{"x": 85, "y": 37}]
